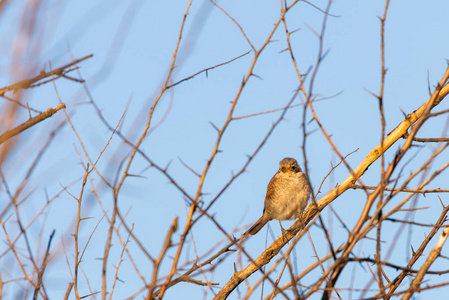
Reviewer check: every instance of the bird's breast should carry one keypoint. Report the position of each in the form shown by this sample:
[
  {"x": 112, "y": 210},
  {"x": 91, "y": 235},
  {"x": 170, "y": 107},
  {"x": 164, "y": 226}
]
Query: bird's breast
[{"x": 287, "y": 196}]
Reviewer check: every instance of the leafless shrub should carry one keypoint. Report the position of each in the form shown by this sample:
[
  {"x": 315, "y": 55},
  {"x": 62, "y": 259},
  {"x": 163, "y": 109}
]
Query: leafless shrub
[{"x": 85, "y": 212}]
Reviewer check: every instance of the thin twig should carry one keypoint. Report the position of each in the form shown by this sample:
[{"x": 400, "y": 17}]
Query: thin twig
[{"x": 24, "y": 126}]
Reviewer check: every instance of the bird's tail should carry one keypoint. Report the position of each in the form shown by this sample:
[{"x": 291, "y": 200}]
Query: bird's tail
[{"x": 258, "y": 225}]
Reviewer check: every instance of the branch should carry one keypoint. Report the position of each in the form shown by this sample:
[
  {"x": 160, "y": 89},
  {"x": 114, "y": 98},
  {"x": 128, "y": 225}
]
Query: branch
[
  {"x": 375, "y": 153},
  {"x": 313, "y": 209},
  {"x": 419, "y": 191},
  {"x": 27, "y": 83},
  {"x": 429, "y": 261},
  {"x": 418, "y": 253},
  {"x": 24, "y": 126}
]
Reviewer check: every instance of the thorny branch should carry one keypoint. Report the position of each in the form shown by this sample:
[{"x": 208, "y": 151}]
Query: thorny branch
[{"x": 202, "y": 252}]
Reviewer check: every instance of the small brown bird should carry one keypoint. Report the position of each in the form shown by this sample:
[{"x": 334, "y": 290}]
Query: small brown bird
[{"x": 287, "y": 195}]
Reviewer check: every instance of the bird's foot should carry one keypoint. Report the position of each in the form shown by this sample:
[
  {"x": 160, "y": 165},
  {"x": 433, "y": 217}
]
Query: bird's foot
[
  {"x": 284, "y": 233},
  {"x": 301, "y": 221}
]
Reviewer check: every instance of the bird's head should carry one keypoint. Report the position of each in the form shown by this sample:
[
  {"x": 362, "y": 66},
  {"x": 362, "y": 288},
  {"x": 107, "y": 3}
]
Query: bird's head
[{"x": 289, "y": 164}]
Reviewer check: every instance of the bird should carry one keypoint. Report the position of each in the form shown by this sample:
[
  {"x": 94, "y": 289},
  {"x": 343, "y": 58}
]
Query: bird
[{"x": 287, "y": 195}]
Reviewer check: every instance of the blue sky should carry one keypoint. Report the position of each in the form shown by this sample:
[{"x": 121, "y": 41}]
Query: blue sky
[{"x": 133, "y": 43}]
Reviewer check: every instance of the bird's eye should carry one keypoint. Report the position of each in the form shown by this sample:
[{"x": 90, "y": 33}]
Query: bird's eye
[{"x": 293, "y": 167}]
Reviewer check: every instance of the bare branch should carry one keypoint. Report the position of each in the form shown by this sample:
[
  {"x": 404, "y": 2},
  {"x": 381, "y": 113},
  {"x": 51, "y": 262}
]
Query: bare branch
[{"x": 24, "y": 126}]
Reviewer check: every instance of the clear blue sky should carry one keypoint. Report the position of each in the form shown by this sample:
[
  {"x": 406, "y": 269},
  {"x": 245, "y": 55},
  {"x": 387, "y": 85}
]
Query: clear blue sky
[{"x": 133, "y": 44}]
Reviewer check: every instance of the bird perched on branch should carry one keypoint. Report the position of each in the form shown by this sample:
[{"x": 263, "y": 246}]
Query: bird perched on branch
[{"x": 287, "y": 195}]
